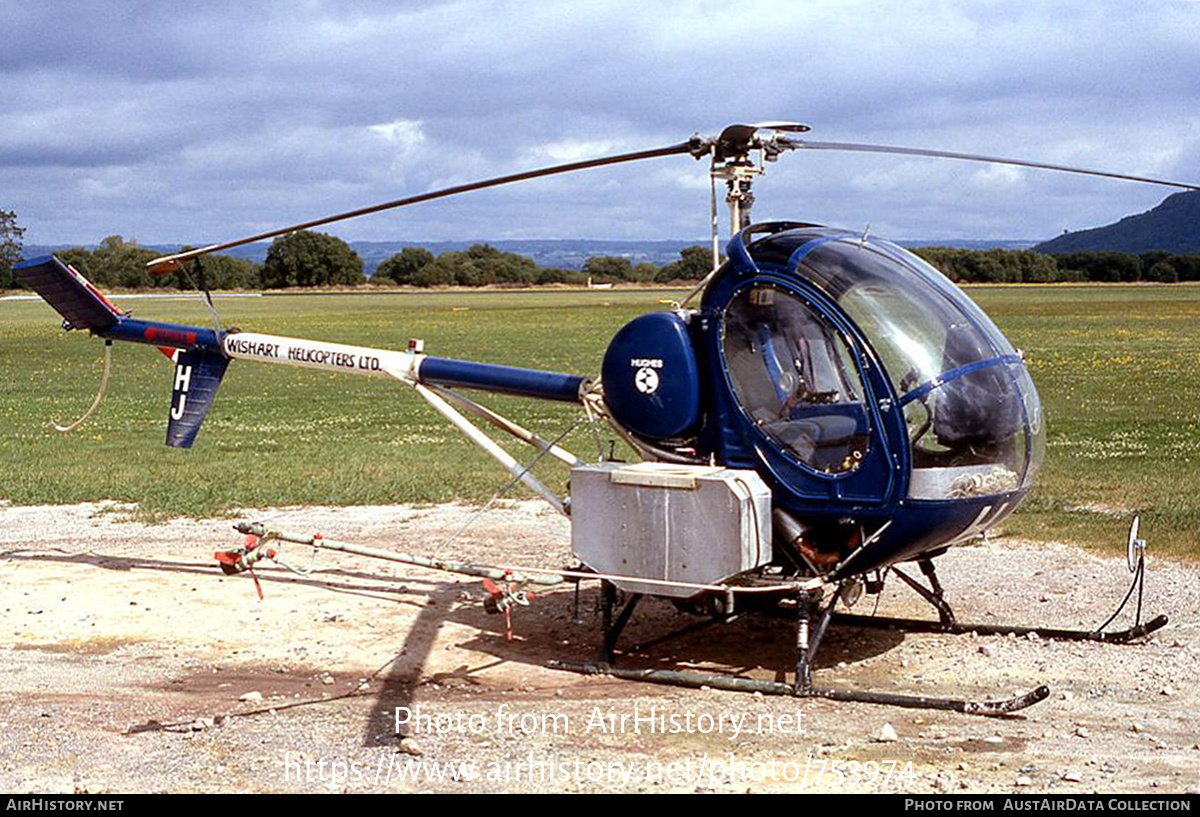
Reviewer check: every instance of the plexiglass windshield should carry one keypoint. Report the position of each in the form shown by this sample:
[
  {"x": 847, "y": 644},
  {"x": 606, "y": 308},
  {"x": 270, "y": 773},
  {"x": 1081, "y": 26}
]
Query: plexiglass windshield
[{"x": 973, "y": 416}]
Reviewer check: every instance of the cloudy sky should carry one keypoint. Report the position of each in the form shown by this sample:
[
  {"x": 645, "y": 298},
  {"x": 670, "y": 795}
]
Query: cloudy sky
[{"x": 195, "y": 122}]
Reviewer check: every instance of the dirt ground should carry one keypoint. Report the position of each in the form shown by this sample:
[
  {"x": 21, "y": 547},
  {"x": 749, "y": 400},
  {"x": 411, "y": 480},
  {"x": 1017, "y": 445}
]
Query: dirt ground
[{"x": 129, "y": 663}]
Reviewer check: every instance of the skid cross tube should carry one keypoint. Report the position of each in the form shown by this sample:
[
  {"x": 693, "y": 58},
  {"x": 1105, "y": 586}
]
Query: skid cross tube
[
  {"x": 808, "y": 637},
  {"x": 933, "y": 595},
  {"x": 613, "y": 628}
]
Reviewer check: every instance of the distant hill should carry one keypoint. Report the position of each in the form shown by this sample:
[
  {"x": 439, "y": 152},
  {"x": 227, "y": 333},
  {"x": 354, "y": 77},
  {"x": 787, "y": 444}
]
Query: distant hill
[{"x": 1172, "y": 226}]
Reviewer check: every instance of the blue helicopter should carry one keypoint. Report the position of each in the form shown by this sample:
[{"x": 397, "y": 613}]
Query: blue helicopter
[{"x": 828, "y": 408}]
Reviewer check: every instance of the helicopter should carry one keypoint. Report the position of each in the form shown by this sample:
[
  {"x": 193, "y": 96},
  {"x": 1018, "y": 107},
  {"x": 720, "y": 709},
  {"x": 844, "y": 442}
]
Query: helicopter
[{"x": 820, "y": 409}]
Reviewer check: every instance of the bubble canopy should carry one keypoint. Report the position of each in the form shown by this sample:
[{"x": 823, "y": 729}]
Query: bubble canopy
[{"x": 971, "y": 414}]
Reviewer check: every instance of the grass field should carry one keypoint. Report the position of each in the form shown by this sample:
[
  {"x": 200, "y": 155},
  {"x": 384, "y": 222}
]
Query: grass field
[{"x": 1117, "y": 368}]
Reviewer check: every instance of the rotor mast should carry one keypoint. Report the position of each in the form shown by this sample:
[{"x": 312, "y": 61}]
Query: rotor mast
[
  {"x": 733, "y": 165},
  {"x": 738, "y": 176}
]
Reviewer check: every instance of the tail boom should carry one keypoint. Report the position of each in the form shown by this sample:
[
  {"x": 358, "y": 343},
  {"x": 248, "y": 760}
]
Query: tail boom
[
  {"x": 409, "y": 366},
  {"x": 201, "y": 355}
]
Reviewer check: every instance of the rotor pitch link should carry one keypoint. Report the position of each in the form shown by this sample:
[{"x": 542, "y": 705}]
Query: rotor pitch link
[
  {"x": 696, "y": 680},
  {"x": 917, "y": 625}
]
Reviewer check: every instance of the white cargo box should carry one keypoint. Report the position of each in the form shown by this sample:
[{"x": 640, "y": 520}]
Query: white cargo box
[{"x": 679, "y": 523}]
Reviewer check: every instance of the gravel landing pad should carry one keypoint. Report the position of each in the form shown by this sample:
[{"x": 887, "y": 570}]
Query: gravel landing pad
[{"x": 129, "y": 663}]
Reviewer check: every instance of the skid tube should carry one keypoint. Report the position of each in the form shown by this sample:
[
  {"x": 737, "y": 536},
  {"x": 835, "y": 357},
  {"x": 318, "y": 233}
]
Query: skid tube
[
  {"x": 918, "y": 625},
  {"x": 948, "y": 623},
  {"x": 699, "y": 680},
  {"x": 811, "y": 623}
]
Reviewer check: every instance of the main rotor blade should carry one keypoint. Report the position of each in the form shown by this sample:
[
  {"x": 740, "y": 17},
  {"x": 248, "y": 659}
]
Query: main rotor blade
[
  {"x": 694, "y": 145},
  {"x": 805, "y": 144}
]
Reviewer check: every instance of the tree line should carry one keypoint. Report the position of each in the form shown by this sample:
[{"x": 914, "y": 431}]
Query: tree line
[
  {"x": 309, "y": 259},
  {"x": 1029, "y": 267}
]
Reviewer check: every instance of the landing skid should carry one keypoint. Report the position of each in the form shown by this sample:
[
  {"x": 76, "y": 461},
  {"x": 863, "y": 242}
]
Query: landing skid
[
  {"x": 916, "y": 625},
  {"x": 948, "y": 623},
  {"x": 812, "y": 619},
  {"x": 698, "y": 680}
]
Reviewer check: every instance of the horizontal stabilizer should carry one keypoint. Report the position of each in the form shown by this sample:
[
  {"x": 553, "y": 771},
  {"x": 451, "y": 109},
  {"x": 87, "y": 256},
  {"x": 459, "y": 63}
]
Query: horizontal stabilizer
[
  {"x": 71, "y": 295},
  {"x": 198, "y": 373}
]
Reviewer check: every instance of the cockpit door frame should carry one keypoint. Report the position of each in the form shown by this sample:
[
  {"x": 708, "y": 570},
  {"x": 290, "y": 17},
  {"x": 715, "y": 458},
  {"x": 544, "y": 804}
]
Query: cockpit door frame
[{"x": 882, "y": 479}]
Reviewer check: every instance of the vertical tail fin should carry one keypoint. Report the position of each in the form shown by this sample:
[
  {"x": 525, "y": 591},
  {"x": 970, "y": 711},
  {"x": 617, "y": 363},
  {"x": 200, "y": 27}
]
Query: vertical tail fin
[{"x": 198, "y": 373}]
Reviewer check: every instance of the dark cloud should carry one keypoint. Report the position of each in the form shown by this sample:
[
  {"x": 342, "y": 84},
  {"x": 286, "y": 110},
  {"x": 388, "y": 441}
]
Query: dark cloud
[{"x": 202, "y": 121}]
